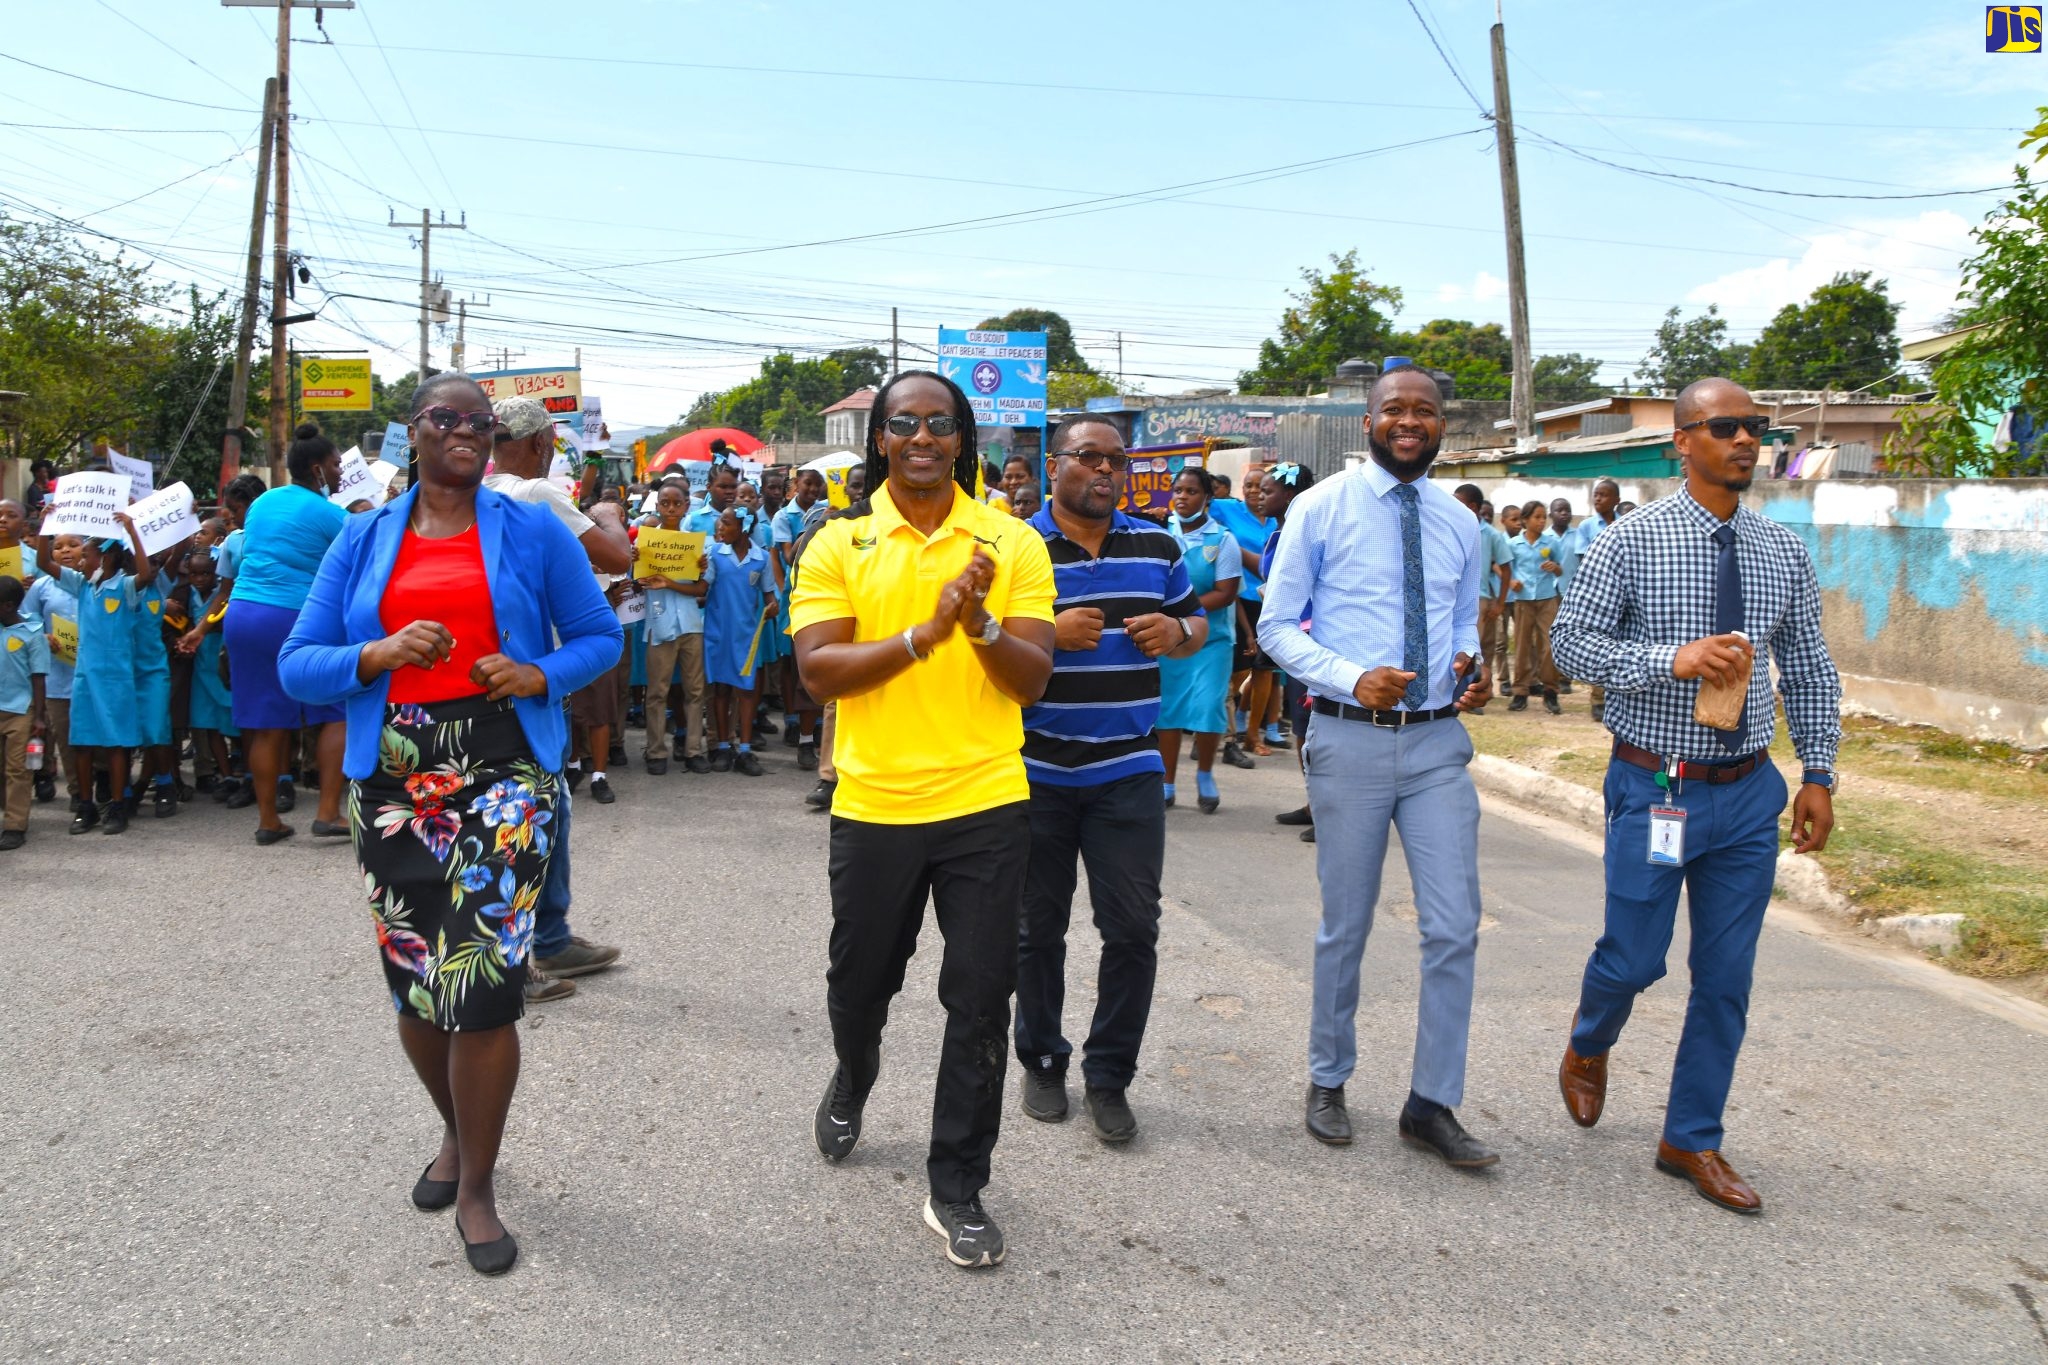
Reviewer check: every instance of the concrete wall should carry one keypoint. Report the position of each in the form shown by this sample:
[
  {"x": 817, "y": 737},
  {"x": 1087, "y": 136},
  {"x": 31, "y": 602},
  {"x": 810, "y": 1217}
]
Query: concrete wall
[{"x": 1934, "y": 591}]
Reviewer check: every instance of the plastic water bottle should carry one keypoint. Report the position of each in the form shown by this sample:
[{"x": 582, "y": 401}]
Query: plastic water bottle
[{"x": 32, "y": 755}]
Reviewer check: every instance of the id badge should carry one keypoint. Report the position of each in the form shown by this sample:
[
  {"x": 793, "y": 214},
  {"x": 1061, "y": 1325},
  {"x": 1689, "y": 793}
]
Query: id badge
[{"x": 1667, "y": 836}]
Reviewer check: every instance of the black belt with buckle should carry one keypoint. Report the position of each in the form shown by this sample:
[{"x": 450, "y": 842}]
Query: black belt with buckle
[
  {"x": 1392, "y": 720},
  {"x": 1713, "y": 774}
]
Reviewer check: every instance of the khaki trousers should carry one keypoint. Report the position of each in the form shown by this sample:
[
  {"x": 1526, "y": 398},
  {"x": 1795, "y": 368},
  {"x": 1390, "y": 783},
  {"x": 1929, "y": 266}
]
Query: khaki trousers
[
  {"x": 1493, "y": 643},
  {"x": 661, "y": 666},
  {"x": 57, "y": 744},
  {"x": 14, "y": 730},
  {"x": 826, "y": 727},
  {"x": 1532, "y": 645}
]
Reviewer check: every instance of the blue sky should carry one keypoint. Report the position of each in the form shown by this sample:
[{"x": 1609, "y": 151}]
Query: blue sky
[{"x": 650, "y": 179}]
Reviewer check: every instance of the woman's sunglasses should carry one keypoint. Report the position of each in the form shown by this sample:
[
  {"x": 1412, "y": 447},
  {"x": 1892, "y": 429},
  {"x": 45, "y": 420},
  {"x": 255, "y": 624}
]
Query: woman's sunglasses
[
  {"x": 1724, "y": 428},
  {"x": 446, "y": 419},
  {"x": 939, "y": 424}
]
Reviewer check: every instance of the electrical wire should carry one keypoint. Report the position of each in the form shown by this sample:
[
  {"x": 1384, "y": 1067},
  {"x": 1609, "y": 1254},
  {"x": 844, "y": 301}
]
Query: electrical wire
[{"x": 1485, "y": 111}]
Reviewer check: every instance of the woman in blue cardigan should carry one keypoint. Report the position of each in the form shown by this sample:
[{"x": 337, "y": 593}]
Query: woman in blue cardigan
[{"x": 434, "y": 622}]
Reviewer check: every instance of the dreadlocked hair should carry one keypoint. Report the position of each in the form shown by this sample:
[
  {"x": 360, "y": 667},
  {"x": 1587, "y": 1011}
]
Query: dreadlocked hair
[{"x": 965, "y": 466}]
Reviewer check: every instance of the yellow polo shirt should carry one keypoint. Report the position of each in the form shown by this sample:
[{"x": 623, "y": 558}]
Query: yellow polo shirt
[{"x": 938, "y": 740}]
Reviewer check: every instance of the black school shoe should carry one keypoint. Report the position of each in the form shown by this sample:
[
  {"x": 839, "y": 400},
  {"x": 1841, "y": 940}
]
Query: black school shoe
[
  {"x": 836, "y": 1125},
  {"x": 85, "y": 817},
  {"x": 821, "y": 795},
  {"x": 746, "y": 765},
  {"x": 114, "y": 819},
  {"x": 601, "y": 791},
  {"x": 807, "y": 757},
  {"x": 163, "y": 801},
  {"x": 721, "y": 759},
  {"x": 1111, "y": 1114},
  {"x": 1045, "y": 1096}
]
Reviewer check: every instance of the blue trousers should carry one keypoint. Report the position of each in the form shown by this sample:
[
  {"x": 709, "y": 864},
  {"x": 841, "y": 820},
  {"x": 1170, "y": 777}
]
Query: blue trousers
[
  {"x": 1119, "y": 831},
  {"x": 1362, "y": 781},
  {"x": 1731, "y": 856},
  {"x": 551, "y": 912}
]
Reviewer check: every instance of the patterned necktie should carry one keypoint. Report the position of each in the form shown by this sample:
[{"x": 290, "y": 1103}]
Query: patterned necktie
[
  {"x": 1414, "y": 608},
  {"x": 1728, "y": 615}
]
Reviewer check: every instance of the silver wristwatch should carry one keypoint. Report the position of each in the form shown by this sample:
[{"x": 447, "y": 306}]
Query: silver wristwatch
[{"x": 990, "y": 633}]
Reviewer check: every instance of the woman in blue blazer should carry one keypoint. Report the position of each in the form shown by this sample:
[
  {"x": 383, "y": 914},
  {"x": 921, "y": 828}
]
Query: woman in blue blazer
[{"x": 451, "y": 624}]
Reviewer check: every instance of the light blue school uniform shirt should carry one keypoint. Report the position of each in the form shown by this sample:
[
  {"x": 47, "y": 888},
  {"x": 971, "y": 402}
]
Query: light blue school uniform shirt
[
  {"x": 1497, "y": 554},
  {"x": 47, "y": 598},
  {"x": 1572, "y": 547},
  {"x": 1342, "y": 547},
  {"x": 23, "y": 654},
  {"x": 1529, "y": 556}
]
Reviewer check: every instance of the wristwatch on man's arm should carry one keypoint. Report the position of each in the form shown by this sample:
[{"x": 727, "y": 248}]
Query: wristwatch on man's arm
[{"x": 1819, "y": 777}]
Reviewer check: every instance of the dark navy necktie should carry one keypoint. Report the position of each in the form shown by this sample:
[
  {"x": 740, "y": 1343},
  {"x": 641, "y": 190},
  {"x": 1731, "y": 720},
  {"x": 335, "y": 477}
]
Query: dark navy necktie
[
  {"x": 1728, "y": 616},
  {"x": 1414, "y": 606}
]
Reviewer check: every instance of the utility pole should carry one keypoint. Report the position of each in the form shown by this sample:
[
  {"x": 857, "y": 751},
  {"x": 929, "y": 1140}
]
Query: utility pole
[
  {"x": 428, "y": 227},
  {"x": 461, "y": 351},
  {"x": 280, "y": 380},
  {"x": 504, "y": 356},
  {"x": 894, "y": 365},
  {"x": 1119, "y": 362},
  {"x": 1522, "y": 396},
  {"x": 252, "y": 292}
]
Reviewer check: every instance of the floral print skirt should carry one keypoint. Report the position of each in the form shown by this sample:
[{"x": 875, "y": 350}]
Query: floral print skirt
[{"x": 453, "y": 833}]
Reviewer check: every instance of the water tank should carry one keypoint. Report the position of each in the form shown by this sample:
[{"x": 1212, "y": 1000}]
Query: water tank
[
  {"x": 1357, "y": 371},
  {"x": 1446, "y": 382}
]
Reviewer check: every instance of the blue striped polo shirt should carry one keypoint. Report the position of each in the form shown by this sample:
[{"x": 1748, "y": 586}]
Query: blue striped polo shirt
[{"x": 1094, "y": 724}]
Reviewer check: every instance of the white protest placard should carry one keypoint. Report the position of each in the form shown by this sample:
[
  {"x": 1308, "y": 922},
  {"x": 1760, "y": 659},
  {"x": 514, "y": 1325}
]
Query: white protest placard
[
  {"x": 357, "y": 483},
  {"x": 84, "y": 505},
  {"x": 595, "y": 437},
  {"x": 750, "y": 470},
  {"x": 384, "y": 474},
  {"x": 141, "y": 477},
  {"x": 632, "y": 608},
  {"x": 164, "y": 518}
]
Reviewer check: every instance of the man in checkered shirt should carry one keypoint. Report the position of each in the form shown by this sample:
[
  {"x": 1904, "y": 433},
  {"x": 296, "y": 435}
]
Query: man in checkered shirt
[{"x": 1668, "y": 598}]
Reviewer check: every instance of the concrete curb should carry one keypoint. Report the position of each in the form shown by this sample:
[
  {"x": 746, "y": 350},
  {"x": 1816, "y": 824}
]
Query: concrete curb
[{"x": 1800, "y": 881}]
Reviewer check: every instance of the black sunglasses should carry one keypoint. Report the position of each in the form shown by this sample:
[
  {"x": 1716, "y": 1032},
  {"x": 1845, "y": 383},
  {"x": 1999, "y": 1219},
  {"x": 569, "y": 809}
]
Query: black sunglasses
[
  {"x": 447, "y": 419},
  {"x": 1096, "y": 459},
  {"x": 1724, "y": 428},
  {"x": 938, "y": 424}
]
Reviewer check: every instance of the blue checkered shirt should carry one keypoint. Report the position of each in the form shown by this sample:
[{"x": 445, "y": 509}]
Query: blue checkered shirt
[{"x": 1646, "y": 587}]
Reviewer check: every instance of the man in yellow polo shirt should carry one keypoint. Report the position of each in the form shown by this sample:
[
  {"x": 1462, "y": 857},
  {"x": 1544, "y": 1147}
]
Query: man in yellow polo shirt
[{"x": 927, "y": 615}]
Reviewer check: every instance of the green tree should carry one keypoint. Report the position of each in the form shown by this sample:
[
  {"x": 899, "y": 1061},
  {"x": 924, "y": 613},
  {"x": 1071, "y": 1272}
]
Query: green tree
[
  {"x": 1478, "y": 356},
  {"x": 1568, "y": 378},
  {"x": 2001, "y": 364},
  {"x": 1333, "y": 317},
  {"x": 1068, "y": 389},
  {"x": 1845, "y": 336},
  {"x": 1060, "y": 351},
  {"x": 788, "y": 396},
  {"x": 1689, "y": 349},
  {"x": 76, "y": 336},
  {"x": 185, "y": 398}
]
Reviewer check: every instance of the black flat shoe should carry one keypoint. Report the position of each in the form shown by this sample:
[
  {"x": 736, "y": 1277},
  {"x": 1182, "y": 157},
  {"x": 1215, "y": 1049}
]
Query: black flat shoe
[
  {"x": 488, "y": 1258},
  {"x": 267, "y": 837},
  {"x": 1298, "y": 816},
  {"x": 433, "y": 1195},
  {"x": 323, "y": 829}
]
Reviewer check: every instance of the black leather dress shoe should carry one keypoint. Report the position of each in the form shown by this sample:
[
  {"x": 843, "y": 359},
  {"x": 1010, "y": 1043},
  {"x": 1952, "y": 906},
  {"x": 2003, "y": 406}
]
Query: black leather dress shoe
[
  {"x": 1443, "y": 1134},
  {"x": 1328, "y": 1120}
]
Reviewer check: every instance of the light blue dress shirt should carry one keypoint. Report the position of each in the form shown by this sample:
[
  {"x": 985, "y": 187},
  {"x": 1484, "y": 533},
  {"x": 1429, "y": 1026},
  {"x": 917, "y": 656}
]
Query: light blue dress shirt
[
  {"x": 1537, "y": 586},
  {"x": 1341, "y": 549}
]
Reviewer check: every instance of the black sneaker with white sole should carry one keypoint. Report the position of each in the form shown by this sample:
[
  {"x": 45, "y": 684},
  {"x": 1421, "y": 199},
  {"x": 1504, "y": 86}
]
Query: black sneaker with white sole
[
  {"x": 837, "y": 1125},
  {"x": 972, "y": 1237}
]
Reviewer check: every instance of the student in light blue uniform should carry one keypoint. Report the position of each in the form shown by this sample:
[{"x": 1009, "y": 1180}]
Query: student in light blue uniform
[
  {"x": 103, "y": 705},
  {"x": 1194, "y": 693},
  {"x": 807, "y": 492},
  {"x": 153, "y": 700},
  {"x": 46, "y": 602},
  {"x": 1533, "y": 600},
  {"x": 737, "y": 612}
]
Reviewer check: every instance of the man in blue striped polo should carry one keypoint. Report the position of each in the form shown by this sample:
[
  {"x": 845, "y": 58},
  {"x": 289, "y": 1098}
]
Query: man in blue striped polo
[{"x": 1123, "y": 600}]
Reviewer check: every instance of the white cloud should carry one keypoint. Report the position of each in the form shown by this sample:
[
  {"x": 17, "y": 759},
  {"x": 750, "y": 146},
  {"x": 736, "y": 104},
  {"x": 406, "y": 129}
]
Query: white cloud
[
  {"x": 1918, "y": 258},
  {"x": 1485, "y": 288}
]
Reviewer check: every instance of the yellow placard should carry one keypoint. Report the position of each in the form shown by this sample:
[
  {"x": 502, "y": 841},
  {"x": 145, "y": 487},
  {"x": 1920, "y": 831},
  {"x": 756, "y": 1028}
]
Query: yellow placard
[
  {"x": 673, "y": 555},
  {"x": 14, "y": 563},
  {"x": 327, "y": 385},
  {"x": 63, "y": 638}
]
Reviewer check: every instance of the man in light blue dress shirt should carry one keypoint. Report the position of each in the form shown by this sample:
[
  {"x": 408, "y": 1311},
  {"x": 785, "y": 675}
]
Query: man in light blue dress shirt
[{"x": 1392, "y": 564}]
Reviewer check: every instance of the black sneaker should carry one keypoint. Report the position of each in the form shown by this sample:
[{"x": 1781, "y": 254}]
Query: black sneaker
[
  {"x": 46, "y": 789},
  {"x": 972, "y": 1237},
  {"x": 1045, "y": 1096},
  {"x": 12, "y": 839},
  {"x": 601, "y": 791},
  {"x": 837, "y": 1123},
  {"x": 1519, "y": 704},
  {"x": 85, "y": 817},
  {"x": 807, "y": 757},
  {"x": 1236, "y": 757},
  {"x": 115, "y": 818},
  {"x": 765, "y": 726},
  {"x": 163, "y": 802},
  {"x": 821, "y": 795},
  {"x": 697, "y": 763},
  {"x": 721, "y": 759},
  {"x": 746, "y": 765},
  {"x": 1550, "y": 704},
  {"x": 657, "y": 767},
  {"x": 574, "y": 777},
  {"x": 790, "y": 737},
  {"x": 1111, "y": 1114}
]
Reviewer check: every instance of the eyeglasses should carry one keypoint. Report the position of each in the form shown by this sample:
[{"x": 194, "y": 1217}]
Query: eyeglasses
[
  {"x": 938, "y": 424},
  {"x": 1096, "y": 459},
  {"x": 446, "y": 419},
  {"x": 1724, "y": 428}
]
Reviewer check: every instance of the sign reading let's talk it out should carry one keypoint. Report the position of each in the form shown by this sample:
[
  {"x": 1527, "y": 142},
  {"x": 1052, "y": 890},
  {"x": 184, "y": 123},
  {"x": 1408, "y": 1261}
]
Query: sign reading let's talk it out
[{"x": 85, "y": 504}]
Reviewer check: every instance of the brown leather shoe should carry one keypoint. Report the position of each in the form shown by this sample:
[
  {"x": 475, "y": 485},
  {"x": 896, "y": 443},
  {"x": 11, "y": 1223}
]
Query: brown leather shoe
[
  {"x": 1583, "y": 1082},
  {"x": 1712, "y": 1176}
]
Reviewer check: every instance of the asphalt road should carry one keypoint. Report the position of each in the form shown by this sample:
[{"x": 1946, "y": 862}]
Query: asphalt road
[{"x": 207, "y": 1132}]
